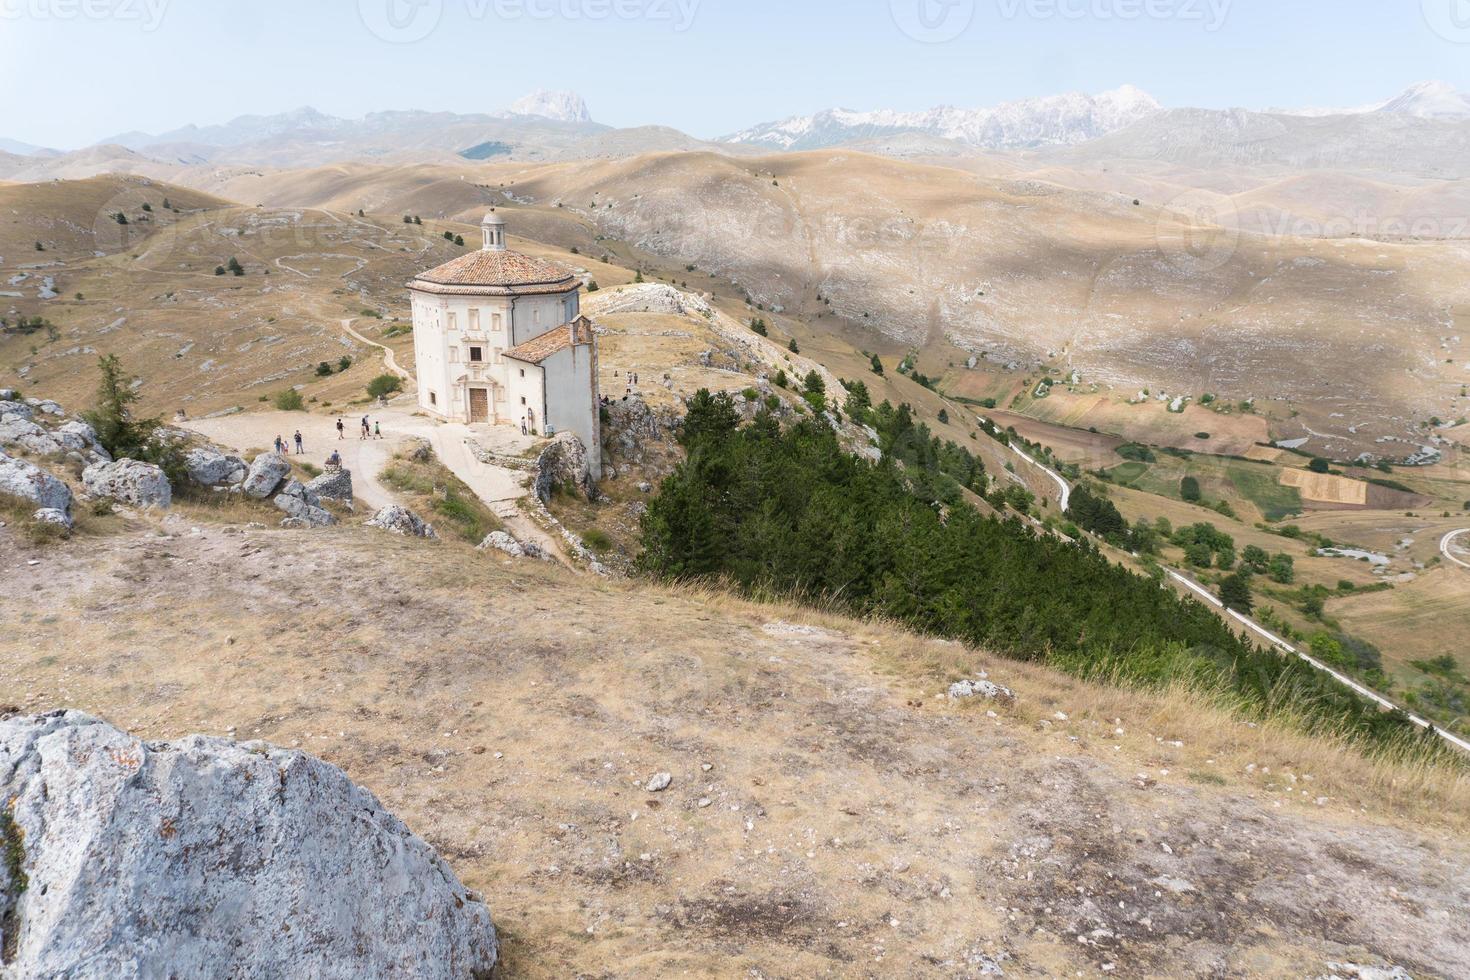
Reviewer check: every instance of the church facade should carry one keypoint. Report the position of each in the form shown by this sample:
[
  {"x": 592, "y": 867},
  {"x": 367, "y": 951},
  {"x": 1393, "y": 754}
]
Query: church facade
[{"x": 499, "y": 338}]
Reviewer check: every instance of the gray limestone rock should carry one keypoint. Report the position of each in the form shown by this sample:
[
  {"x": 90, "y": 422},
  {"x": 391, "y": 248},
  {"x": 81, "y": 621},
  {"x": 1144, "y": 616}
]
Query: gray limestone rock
[
  {"x": 209, "y": 467},
  {"x": 205, "y": 857},
  {"x": 401, "y": 520},
  {"x": 267, "y": 472},
  {"x": 128, "y": 481},
  {"x": 27, "y": 481}
]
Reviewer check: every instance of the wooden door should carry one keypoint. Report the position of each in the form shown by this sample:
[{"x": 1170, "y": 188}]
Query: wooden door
[{"x": 479, "y": 405}]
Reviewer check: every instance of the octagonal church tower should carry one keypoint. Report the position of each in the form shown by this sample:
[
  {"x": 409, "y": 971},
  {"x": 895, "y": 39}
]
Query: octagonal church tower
[{"x": 499, "y": 338}]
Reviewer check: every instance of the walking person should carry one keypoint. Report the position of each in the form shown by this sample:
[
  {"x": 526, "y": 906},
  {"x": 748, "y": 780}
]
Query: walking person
[
  {"x": 377, "y": 430},
  {"x": 299, "y": 449},
  {"x": 341, "y": 429},
  {"x": 365, "y": 429},
  {"x": 280, "y": 445}
]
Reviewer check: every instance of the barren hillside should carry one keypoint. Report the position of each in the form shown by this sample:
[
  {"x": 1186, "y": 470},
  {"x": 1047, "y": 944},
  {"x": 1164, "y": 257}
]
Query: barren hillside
[
  {"x": 830, "y": 812},
  {"x": 1180, "y": 295}
]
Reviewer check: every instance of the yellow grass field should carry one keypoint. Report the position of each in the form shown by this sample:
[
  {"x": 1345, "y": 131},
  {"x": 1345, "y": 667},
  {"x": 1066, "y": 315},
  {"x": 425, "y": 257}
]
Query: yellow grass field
[{"x": 1326, "y": 488}]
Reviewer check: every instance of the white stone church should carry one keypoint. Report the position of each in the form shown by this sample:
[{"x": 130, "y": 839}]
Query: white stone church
[{"x": 499, "y": 338}]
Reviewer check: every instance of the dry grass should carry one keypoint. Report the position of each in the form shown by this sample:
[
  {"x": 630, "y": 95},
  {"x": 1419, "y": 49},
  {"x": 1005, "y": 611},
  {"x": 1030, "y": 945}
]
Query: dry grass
[{"x": 505, "y": 710}]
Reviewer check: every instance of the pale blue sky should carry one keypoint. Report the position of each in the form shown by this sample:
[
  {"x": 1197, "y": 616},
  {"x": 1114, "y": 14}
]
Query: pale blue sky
[{"x": 75, "y": 71}]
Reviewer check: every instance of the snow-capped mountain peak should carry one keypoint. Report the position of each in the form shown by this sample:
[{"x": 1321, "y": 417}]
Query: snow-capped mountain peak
[
  {"x": 1426, "y": 100},
  {"x": 1060, "y": 119},
  {"x": 545, "y": 104}
]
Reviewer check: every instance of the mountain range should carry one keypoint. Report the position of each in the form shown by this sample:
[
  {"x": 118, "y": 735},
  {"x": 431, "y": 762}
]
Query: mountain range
[{"x": 1420, "y": 132}]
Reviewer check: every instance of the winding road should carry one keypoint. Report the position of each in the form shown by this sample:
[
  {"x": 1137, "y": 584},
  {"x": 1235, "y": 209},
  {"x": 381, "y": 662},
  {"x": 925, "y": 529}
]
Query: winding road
[
  {"x": 1448, "y": 540},
  {"x": 1276, "y": 641}
]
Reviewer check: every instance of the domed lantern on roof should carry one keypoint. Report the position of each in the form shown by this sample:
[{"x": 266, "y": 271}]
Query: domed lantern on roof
[{"x": 493, "y": 228}]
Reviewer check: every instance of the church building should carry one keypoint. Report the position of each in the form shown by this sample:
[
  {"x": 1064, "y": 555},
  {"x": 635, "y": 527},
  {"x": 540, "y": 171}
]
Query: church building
[{"x": 499, "y": 338}]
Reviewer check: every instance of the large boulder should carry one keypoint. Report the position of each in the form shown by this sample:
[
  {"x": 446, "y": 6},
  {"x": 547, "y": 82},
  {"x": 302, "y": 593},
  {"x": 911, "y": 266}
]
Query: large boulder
[
  {"x": 205, "y": 857},
  {"x": 128, "y": 481},
  {"x": 303, "y": 508},
  {"x": 28, "y": 481},
  {"x": 267, "y": 472},
  {"x": 18, "y": 431},
  {"x": 564, "y": 463},
  {"x": 209, "y": 467},
  {"x": 11, "y": 406},
  {"x": 333, "y": 486},
  {"x": 401, "y": 520}
]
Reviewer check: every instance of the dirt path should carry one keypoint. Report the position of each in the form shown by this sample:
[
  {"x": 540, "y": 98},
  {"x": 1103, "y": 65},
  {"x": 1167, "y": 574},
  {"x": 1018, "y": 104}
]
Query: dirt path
[
  {"x": 389, "y": 360},
  {"x": 500, "y": 488}
]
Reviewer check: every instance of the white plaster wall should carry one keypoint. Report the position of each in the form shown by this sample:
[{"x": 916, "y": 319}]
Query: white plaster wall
[{"x": 571, "y": 399}]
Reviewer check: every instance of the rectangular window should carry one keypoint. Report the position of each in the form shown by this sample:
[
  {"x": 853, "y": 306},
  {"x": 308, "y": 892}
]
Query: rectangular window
[
  {"x": 536, "y": 315},
  {"x": 523, "y": 399},
  {"x": 433, "y": 398},
  {"x": 454, "y": 355},
  {"x": 474, "y": 320},
  {"x": 477, "y": 354},
  {"x": 495, "y": 320},
  {"x": 523, "y": 372},
  {"x": 451, "y": 320}
]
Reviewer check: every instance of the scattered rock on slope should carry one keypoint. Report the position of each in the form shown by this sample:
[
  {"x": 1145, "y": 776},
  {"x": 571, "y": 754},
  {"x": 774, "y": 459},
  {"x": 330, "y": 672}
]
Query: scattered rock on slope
[
  {"x": 333, "y": 486},
  {"x": 28, "y": 481},
  {"x": 205, "y": 857},
  {"x": 564, "y": 463},
  {"x": 502, "y": 541},
  {"x": 401, "y": 520},
  {"x": 128, "y": 481},
  {"x": 303, "y": 508},
  {"x": 209, "y": 467},
  {"x": 267, "y": 472}
]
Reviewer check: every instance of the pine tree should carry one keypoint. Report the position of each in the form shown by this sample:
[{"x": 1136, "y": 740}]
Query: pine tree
[
  {"x": 792, "y": 346},
  {"x": 877, "y": 366}
]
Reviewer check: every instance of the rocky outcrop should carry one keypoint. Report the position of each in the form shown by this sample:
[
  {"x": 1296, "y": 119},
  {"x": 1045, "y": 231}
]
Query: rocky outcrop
[
  {"x": 267, "y": 472},
  {"x": 29, "y": 482},
  {"x": 209, "y": 467},
  {"x": 401, "y": 520},
  {"x": 303, "y": 508},
  {"x": 16, "y": 430},
  {"x": 503, "y": 542},
  {"x": 333, "y": 486},
  {"x": 78, "y": 436},
  {"x": 981, "y": 688},
  {"x": 205, "y": 857},
  {"x": 128, "y": 481},
  {"x": 12, "y": 406},
  {"x": 564, "y": 463},
  {"x": 50, "y": 515}
]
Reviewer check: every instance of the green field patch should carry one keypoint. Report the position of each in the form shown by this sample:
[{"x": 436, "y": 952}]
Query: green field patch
[
  {"x": 1261, "y": 486},
  {"x": 1127, "y": 473}
]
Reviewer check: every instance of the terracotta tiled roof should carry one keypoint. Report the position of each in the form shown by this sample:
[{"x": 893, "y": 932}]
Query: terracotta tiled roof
[
  {"x": 538, "y": 349},
  {"x": 484, "y": 270}
]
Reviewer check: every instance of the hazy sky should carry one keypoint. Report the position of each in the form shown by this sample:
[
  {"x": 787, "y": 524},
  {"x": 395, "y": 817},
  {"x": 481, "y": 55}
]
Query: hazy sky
[{"x": 75, "y": 71}]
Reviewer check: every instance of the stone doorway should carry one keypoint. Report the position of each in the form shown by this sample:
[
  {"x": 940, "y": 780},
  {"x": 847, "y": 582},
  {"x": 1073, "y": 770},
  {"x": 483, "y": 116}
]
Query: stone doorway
[{"x": 479, "y": 405}]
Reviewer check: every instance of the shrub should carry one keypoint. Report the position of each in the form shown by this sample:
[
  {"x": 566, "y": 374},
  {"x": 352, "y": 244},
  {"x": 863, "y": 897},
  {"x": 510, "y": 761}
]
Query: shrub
[
  {"x": 1319, "y": 465},
  {"x": 344, "y": 362},
  {"x": 1189, "y": 490},
  {"x": 384, "y": 384},
  {"x": 596, "y": 540},
  {"x": 323, "y": 369},
  {"x": 289, "y": 401}
]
